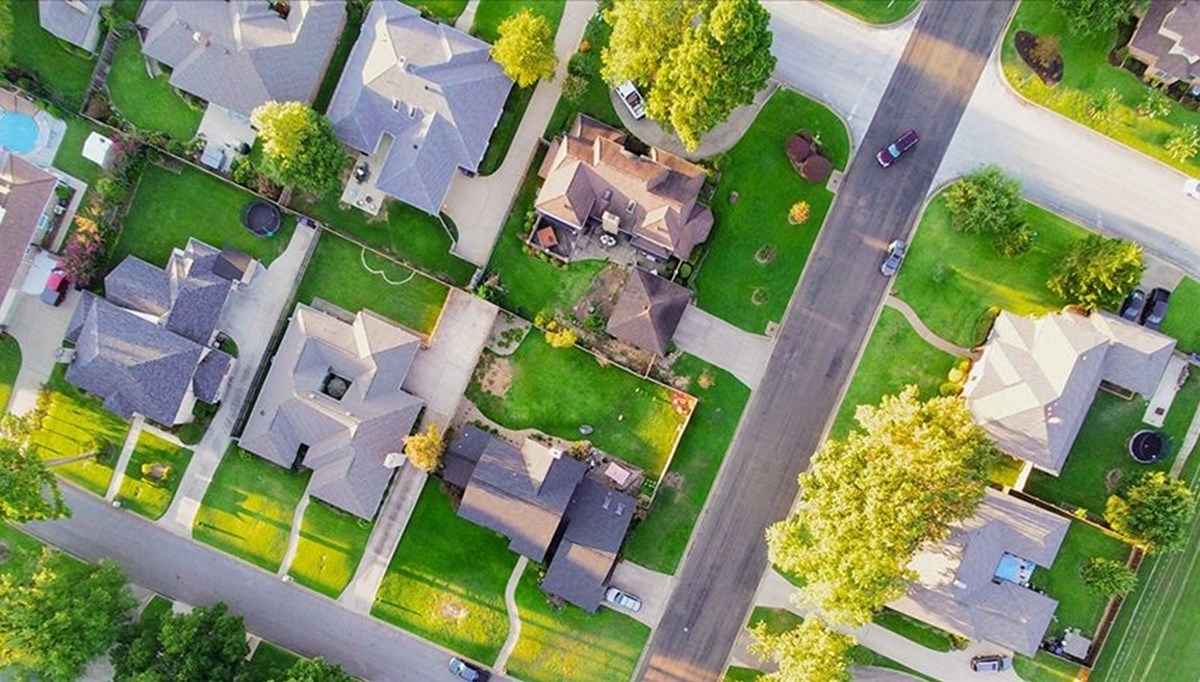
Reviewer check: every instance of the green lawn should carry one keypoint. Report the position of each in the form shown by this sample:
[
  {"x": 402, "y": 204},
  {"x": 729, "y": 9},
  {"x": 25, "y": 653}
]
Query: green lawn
[
  {"x": 10, "y": 365},
  {"x": 658, "y": 541},
  {"x": 69, "y": 157},
  {"x": 169, "y": 207},
  {"x": 268, "y": 663},
  {"x": 1045, "y": 668},
  {"x": 77, "y": 424},
  {"x": 341, "y": 52},
  {"x": 1078, "y": 606},
  {"x": 446, "y": 580},
  {"x": 924, "y": 634},
  {"x": 571, "y": 645},
  {"x": 1183, "y": 317},
  {"x": 331, "y": 545},
  {"x": 150, "y": 104},
  {"x": 759, "y": 171},
  {"x": 337, "y": 274},
  {"x": 1086, "y": 75},
  {"x": 23, "y": 550},
  {"x": 632, "y": 419},
  {"x": 60, "y": 66},
  {"x": 445, "y": 11},
  {"x": 140, "y": 493},
  {"x": 1100, "y": 448},
  {"x": 155, "y": 609},
  {"x": 876, "y": 11},
  {"x": 778, "y": 621},
  {"x": 951, "y": 278},
  {"x": 248, "y": 508},
  {"x": 595, "y": 102},
  {"x": 736, "y": 673}
]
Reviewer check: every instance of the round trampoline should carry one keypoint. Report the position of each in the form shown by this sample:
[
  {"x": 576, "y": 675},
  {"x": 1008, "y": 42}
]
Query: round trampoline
[
  {"x": 1147, "y": 447},
  {"x": 261, "y": 217}
]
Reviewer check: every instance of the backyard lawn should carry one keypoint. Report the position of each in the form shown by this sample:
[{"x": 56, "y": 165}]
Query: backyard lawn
[
  {"x": 657, "y": 542},
  {"x": 951, "y": 278},
  {"x": 268, "y": 663},
  {"x": 1100, "y": 449},
  {"x": 1078, "y": 606},
  {"x": 10, "y": 366},
  {"x": 876, "y": 11},
  {"x": 754, "y": 256},
  {"x": 338, "y": 272},
  {"x": 1183, "y": 317},
  {"x": 330, "y": 547},
  {"x": 1087, "y": 75},
  {"x": 557, "y": 390},
  {"x": 445, "y": 11},
  {"x": 23, "y": 549},
  {"x": 446, "y": 580},
  {"x": 69, "y": 157},
  {"x": 248, "y": 508},
  {"x": 571, "y": 645},
  {"x": 595, "y": 101},
  {"x": 142, "y": 494},
  {"x": 61, "y": 67},
  {"x": 1045, "y": 668},
  {"x": 77, "y": 424},
  {"x": 169, "y": 207},
  {"x": 150, "y": 104}
]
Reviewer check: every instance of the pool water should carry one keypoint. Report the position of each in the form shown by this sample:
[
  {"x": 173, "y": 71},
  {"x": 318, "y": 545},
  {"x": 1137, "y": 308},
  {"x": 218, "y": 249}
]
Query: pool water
[{"x": 18, "y": 132}]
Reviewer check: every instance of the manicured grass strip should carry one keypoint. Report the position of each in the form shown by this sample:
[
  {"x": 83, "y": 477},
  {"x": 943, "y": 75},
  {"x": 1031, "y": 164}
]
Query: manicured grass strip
[
  {"x": 247, "y": 510},
  {"x": 926, "y": 635},
  {"x": 445, "y": 11},
  {"x": 330, "y": 547},
  {"x": 268, "y": 663},
  {"x": 1078, "y": 606},
  {"x": 631, "y": 418},
  {"x": 446, "y": 580},
  {"x": 155, "y": 609},
  {"x": 341, "y": 52},
  {"x": 1045, "y": 668},
  {"x": 1183, "y": 316},
  {"x": 571, "y": 645},
  {"x": 739, "y": 674},
  {"x": 10, "y": 366},
  {"x": 778, "y": 621},
  {"x": 69, "y": 157},
  {"x": 595, "y": 101},
  {"x": 171, "y": 206},
  {"x": 951, "y": 278},
  {"x": 877, "y": 11},
  {"x": 754, "y": 256},
  {"x": 149, "y": 103},
  {"x": 337, "y": 274},
  {"x": 77, "y": 424},
  {"x": 60, "y": 66},
  {"x": 659, "y": 540},
  {"x": 142, "y": 494}
]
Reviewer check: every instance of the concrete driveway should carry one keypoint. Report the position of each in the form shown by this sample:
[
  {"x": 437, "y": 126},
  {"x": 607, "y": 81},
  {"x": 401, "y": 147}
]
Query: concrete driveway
[
  {"x": 38, "y": 329},
  {"x": 652, "y": 587},
  {"x": 714, "y": 340}
]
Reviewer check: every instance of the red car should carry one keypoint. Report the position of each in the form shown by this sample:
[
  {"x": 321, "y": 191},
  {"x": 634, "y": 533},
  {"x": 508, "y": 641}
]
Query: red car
[
  {"x": 56, "y": 287},
  {"x": 888, "y": 155}
]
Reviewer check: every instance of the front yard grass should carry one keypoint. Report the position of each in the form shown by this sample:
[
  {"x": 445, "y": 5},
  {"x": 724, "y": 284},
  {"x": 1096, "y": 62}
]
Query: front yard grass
[
  {"x": 77, "y": 424},
  {"x": 570, "y": 645},
  {"x": 169, "y": 207},
  {"x": 248, "y": 508},
  {"x": 658, "y": 541},
  {"x": 330, "y": 547},
  {"x": 914, "y": 630},
  {"x": 22, "y": 550},
  {"x": 143, "y": 495},
  {"x": 1078, "y": 606},
  {"x": 754, "y": 254},
  {"x": 1099, "y": 458},
  {"x": 10, "y": 366},
  {"x": 951, "y": 278},
  {"x": 446, "y": 580},
  {"x": 1087, "y": 75},
  {"x": 557, "y": 390},
  {"x": 338, "y": 272},
  {"x": 150, "y": 104},
  {"x": 877, "y": 11},
  {"x": 1183, "y": 317},
  {"x": 61, "y": 67}
]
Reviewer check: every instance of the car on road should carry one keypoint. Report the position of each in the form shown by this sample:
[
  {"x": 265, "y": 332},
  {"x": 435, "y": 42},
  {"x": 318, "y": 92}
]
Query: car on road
[
  {"x": 1156, "y": 308},
  {"x": 1191, "y": 187},
  {"x": 56, "y": 287},
  {"x": 1133, "y": 306},
  {"x": 888, "y": 155},
  {"x": 629, "y": 94},
  {"x": 993, "y": 663},
  {"x": 466, "y": 671},
  {"x": 895, "y": 256},
  {"x": 623, "y": 599}
]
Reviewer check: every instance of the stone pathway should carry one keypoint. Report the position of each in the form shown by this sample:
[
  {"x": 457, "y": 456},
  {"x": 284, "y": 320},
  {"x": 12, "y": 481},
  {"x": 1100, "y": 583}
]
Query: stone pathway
[
  {"x": 514, "y": 616},
  {"x": 135, "y": 430},
  {"x": 294, "y": 536},
  {"x": 714, "y": 340},
  {"x": 719, "y": 139},
  {"x": 923, "y": 331}
]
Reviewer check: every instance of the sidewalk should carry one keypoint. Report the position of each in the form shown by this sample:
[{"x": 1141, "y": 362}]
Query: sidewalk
[{"x": 924, "y": 332}]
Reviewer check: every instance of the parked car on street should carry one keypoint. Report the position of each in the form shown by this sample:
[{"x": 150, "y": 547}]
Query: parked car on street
[
  {"x": 1191, "y": 187},
  {"x": 888, "y": 155},
  {"x": 990, "y": 664},
  {"x": 1133, "y": 306},
  {"x": 56, "y": 287},
  {"x": 466, "y": 671},
  {"x": 629, "y": 94},
  {"x": 895, "y": 256},
  {"x": 1156, "y": 308},
  {"x": 623, "y": 599}
]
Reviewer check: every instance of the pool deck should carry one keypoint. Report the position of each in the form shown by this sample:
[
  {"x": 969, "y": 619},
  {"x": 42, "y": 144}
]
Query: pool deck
[{"x": 50, "y": 129}]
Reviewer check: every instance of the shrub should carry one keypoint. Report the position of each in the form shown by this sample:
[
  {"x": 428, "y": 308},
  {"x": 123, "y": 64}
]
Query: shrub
[
  {"x": 574, "y": 87},
  {"x": 1045, "y": 50},
  {"x": 986, "y": 200},
  {"x": 563, "y": 337},
  {"x": 425, "y": 450},
  {"x": 1108, "y": 578},
  {"x": 585, "y": 64},
  {"x": 1154, "y": 104},
  {"x": 594, "y": 323},
  {"x": 1183, "y": 145},
  {"x": 799, "y": 213},
  {"x": 190, "y": 434},
  {"x": 1013, "y": 241}
]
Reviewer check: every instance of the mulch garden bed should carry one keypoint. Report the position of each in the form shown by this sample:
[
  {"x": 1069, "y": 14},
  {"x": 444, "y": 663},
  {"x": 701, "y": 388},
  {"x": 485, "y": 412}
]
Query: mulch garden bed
[{"x": 1025, "y": 41}]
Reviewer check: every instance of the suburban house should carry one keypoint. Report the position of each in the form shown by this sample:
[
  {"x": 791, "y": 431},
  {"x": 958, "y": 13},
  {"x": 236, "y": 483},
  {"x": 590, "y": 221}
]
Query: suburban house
[
  {"x": 648, "y": 311},
  {"x": 545, "y": 504},
  {"x": 975, "y": 583},
  {"x": 27, "y": 201},
  {"x": 332, "y": 403},
  {"x": 418, "y": 100},
  {"x": 75, "y": 21},
  {"x": 1037, "y": 378},
  {"x": 148, "y": 347},
  {"x": 593, "y": 184},
  {"x": 1167, "y": 41}
]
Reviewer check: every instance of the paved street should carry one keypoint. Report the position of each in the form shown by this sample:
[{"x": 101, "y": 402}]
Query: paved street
[{"x": 826, "y": 322}]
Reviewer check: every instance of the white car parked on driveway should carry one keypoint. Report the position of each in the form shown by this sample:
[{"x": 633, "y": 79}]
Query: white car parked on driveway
[
  {"x": 623, "y": 599},
  {"x": 629, "y": 94}
]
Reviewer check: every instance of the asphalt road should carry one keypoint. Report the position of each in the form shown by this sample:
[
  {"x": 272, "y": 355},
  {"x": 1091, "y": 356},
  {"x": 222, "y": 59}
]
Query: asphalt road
[{"x": 826, "y": 323}]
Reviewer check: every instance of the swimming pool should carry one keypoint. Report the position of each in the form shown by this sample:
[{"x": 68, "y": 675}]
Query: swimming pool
[{"x": 18, "y": 132}]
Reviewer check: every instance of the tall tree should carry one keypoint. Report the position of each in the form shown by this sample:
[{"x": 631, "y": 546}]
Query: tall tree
[
  {"x": 643, "y": 33},
  {"x": 525, "y": 48},
  {"x": 986, "y": 200},
  {"x": 299, "y": 146},
  {"x": 28, "y": 491},
  {"x": 425, "y": 450},
  {"x": 1093, "y": 17},
  {"x": 871, "y": 500},
  {"x": 59, "y": 614},
  {"x": 1098, "y": 272},
  {"x": 316, "y": 670},
  {"x": 207, "y": 644},
  {"x": 811, "y": 652},
  {"x": 1155, "y": 510}
]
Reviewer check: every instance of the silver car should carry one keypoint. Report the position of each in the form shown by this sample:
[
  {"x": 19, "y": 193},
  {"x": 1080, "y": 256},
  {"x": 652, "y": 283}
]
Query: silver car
[
  {"x": 623, "y": 599},
  {"x": 895, "y": 256}
]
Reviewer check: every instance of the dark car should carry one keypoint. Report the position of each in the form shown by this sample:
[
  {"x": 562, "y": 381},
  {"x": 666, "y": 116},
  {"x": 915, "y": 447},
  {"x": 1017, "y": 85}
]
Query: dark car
[
  {"x": 888, "y": 155},
  {"x": 1156, "y": 308},
  {"x": 1133, "y": 306},
  {"x": 56, "y": 287},
  {"x": 989, "y": 664},
  {"x": 895, "y": 256},
  {"x": 466, "y": 671}
]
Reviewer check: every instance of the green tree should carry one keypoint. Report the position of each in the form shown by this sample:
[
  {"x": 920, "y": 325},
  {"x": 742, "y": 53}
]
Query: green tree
[
  {"x": 299, "y": 146},
  {"x": 28, "y": 491},
  {"x": 207, "y": 644},
  {"x": 811, "y": 652},
  {"x": 872, "y": 499},
  {"x": 59, "y": 614},
  {"x": 1108, "y": 578},
  {"x": 525, "y": 48},
  {"x": 316, "y": 670},
  {"x": 1184, "y": 144},
  {"x": 1154, "y": 510},
  {"x": 986, "y": 200},
  {"x": 1093, "y": 17},
  {"x": 643, "y": 33},
  {"x": 1098, "y": 272}
]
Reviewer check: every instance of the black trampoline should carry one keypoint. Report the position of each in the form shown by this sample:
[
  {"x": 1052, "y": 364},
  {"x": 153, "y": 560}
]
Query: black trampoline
[
  {"x": 1147, "y": 447},
  {"x": 261, "y": 217}
]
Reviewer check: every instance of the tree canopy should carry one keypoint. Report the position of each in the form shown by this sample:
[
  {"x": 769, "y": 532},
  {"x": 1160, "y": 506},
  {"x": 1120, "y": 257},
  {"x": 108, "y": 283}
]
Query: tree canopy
[
  {"x": 525, "y": 48},
  {"x": 28, "y": 491},
  {"x": 299, "y": 146},
  {"x": 1098, "y": 272},
  {"x": 1093, "y": 17},
  {"x": 1108, "y": 578},
  {"x": 986, "y": 200},
  {"x": 316, "y": 670},
  {"x": 425, "y": 450},
  {"x": 810, "y": 652},
  {"x": 871, "y": 500},
  {"x": 208, "y": 643},
  {"x": 1154, "y": 510}
]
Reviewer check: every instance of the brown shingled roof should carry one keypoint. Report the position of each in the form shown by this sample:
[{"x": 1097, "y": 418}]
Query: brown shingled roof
[
  {"x": 648, "y": 311},
  {"x": 25, "y": 191}
]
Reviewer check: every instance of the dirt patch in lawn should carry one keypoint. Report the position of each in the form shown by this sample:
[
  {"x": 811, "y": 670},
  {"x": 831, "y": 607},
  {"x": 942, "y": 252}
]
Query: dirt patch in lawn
[
  {"x": 452, "y": 609},
  {"x": 673, "y": 480},
  {"x": 1025, "y": 42},
  {"x": 497, "y": 376},
  {"x": 1112, "y": 480},
  {"x": 602, "y": 293}
]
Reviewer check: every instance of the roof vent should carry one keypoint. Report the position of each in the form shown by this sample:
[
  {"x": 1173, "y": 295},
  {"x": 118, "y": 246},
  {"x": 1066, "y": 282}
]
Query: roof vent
[
  {"x": 630, "y": 206},
  {"x": 620, "y": 508},
  {"x": 607, "y": 501}
]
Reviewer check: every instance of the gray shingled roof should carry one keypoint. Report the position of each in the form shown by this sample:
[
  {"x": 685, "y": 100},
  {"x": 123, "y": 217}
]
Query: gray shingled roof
[
  {"x": 432, "y": 88},
  {"x": 138, "y": 285},
  {"x": 648, "y": 311},
  {"x": 210, "y": 375},
  {"x": 240, "y": 53},
  {"x": 597, "y": 521},
  {"x": 349, "y": 438},
  {"x": 463, "y": 454},
  {"x": 25, "y": 192},
  {"x": 233, "y": 264},
  {"x": 76, "y": 21}
]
